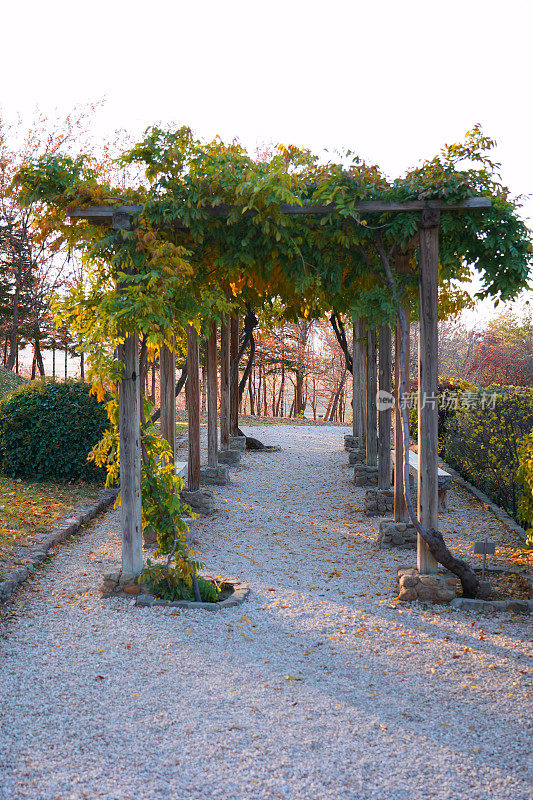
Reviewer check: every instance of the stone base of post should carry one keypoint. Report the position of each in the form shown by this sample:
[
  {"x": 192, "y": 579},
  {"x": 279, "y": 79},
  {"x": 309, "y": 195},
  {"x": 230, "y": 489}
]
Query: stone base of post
[
  {"x": 200, "y": 500},
  {"x": 214, "y": 476},
  {"x": 365, "y": 476},
  {"x": 357, "y": 455},
  {"x": 379, "y": 502},
  {"x": 351, "y": 442},
  {"x": 433, "y": 588},
  {"x": 230, "y": 457},
  {"x": 121, "y": 584},
  {"x": 396, "y": 534},
  {"x": 237, "y": 443}
]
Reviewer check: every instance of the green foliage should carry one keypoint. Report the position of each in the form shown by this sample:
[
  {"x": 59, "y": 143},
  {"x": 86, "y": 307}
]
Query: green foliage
[
  {"x": 524, "y": 476},
  {"x": 9, "y": 380},
  {"x": 169, "y": 585},
  {"x": 162, "y": 509},
  {"x": 47, "y": 430},
  {"x": 483, "y": 445}
]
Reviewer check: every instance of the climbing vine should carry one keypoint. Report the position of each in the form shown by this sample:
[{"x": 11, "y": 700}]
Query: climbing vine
[{"x": 210, "y": 234}]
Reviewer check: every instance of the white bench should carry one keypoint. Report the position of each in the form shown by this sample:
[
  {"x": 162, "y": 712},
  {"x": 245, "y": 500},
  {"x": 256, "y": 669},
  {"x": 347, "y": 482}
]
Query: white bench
[{"x": 444, "y": 478}]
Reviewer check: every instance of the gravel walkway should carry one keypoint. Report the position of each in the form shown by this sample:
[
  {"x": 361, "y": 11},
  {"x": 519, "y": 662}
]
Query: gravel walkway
[{"x": 320, "y": 686}]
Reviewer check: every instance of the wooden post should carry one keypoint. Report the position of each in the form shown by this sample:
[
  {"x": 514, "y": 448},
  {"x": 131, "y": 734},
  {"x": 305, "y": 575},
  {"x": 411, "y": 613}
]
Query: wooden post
[
  {"x": 371, "y": 406},
  {"x": 193, "y": 402},
  {"x": 384, "y": 455},
  {"x": 224, "y": 384},
  {"x": 361, "y": 380},
  {"x": 355, "y": 403},
  {"x": 428, "y": 383},
  {"x": 234, "y": 388},
  {"x": 400, "y": 509},
  {"x": 212, "y": 397},
  {"x": 168, "y": 397},
  {"x": 130, "y": 457}
]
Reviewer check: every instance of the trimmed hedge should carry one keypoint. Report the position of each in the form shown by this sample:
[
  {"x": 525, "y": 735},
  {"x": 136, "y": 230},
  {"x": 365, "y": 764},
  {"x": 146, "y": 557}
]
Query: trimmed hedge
[
  {"x": 47, "y": 430},
  {"x": 483, "y": 444}
]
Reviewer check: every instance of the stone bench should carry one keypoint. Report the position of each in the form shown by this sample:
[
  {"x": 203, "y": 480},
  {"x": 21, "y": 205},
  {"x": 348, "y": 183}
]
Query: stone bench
[
  {"x": 444, "y": 479},
  {"x": 181, "y": 469}
]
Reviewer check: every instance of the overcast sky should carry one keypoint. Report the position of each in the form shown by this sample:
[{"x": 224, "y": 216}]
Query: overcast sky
[{"x": 391, "y": 80}]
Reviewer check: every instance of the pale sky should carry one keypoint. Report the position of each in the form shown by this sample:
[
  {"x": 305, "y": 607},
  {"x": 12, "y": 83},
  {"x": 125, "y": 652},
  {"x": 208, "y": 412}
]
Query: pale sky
[{"x": 393, "y": 81}]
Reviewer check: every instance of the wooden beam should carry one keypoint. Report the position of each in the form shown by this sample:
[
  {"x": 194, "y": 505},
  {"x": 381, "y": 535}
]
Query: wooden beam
[
  {"x": 234, "y": 389},
  {"x": 168, "y": 397},
  {"x": 193, "y": 405},
  {"x": 212, "y": 399},
  {"x": 121, "y": 217},
  {"x": 224, "y": 383},
  {"x": 428, "y": 384},
  {"x": 130, "y": 456},
  {"x": 371, "y": 406},
  {"x": 400, "y": 509},
  {"x": 385, "y": 386}
]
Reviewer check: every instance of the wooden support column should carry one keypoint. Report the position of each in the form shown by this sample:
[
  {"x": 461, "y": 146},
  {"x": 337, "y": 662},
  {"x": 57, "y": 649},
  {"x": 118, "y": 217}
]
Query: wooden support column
[
  {"x": 355, "y": 403},
  {"x": 168, "y": 397},
  {"x": 130, "y": 457},
  {"x": 224, "y": 384},
  {"x": 428, "y": 383},
  {"x": 212, "y": 398},
  {"x": 371, "y": 405},
  {"x": 400, "y": 509},
  {"x": 385, "y": 413},
  {"x": 234, "y": 388},
  {"x": 361, "y": 379},
  {"x": 193, "y": 403}
]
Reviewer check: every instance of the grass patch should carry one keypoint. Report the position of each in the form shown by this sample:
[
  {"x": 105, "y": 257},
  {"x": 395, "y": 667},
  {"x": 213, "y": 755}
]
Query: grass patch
[{"x": 28, "y": 507}]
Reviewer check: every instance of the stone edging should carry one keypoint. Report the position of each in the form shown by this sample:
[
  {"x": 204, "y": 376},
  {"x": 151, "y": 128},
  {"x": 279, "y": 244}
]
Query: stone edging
[
  {"x": 35, "y": 555},
  {"x": 240, "y": 593},
  {"x": 498, "y": 512},
  {"x": 496, "y": 606}
]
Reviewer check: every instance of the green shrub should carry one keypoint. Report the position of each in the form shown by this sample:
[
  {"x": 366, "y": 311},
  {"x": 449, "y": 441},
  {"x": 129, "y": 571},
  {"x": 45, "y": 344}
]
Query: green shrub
[
  {"x": 524, "y": 476},
  {"x": 47, "y": 430},
  {"x": 451, "y": 396},
  {"x": 483, "y": 443},
  {"x": 167, "y": 584}
]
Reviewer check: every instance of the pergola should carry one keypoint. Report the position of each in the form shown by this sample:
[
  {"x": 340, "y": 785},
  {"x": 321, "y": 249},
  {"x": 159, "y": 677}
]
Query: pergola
[{"x": 378, "y": 451}]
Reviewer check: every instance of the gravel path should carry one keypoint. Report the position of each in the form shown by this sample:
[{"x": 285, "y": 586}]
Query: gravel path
[{"x": 320, "y": 686}]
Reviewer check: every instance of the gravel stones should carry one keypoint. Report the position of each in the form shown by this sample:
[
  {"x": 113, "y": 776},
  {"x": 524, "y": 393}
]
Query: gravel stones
[{"x": 320, "y": 686}]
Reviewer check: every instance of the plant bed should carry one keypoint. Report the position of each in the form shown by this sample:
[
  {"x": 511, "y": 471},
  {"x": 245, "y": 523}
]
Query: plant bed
[
  {"x": 504, "y": 584},
  {"x": 231, "y": 594}
]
